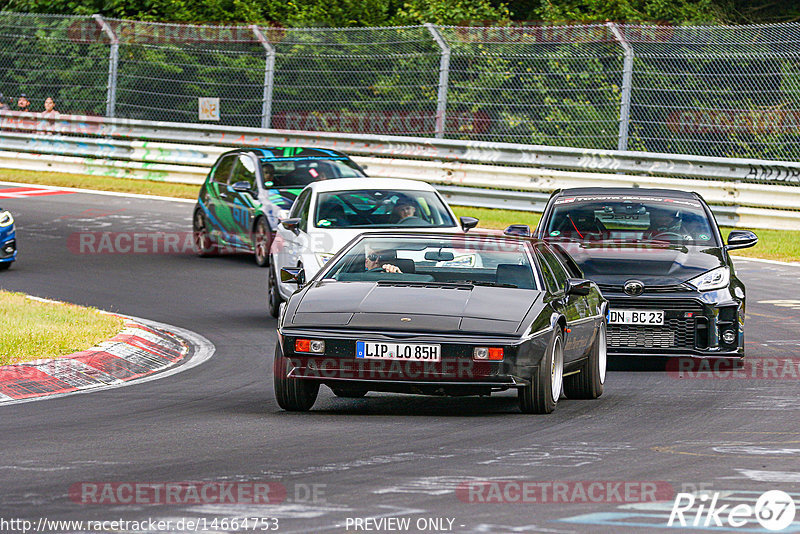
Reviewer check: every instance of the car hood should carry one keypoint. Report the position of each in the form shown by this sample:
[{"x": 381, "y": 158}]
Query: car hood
[
  {"x": 406, "y": 308},
  {"x": 612, "y": 264}
]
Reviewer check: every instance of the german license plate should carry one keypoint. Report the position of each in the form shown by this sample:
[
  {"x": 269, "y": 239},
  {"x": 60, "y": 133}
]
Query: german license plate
[
  {"x": 413, "y": 352},
  {"x": 640, "y": 317}
]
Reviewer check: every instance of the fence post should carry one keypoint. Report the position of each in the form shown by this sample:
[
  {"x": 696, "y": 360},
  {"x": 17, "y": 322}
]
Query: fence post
[
  {"x": 444, "y": 74},
  {"x": 627, "y": 86},
  {"x": 269, "y": 76},
  {"x": 113, "y": 63}
]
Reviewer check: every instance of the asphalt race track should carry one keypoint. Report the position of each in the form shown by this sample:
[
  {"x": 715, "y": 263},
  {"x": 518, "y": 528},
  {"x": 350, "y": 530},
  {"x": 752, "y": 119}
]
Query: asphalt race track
[{"x": 385, "y": 457}]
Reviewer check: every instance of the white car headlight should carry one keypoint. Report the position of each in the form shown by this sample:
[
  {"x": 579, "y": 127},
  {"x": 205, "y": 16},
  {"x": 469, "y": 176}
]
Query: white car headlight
[
  {"x": 6, "y": 219},
  {"x": 323, "y": 257},
  {"x": 713, "y": 279}
]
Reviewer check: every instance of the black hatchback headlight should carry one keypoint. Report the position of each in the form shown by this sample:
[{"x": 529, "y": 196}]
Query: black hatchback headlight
[{"x": 714, "y": 279}]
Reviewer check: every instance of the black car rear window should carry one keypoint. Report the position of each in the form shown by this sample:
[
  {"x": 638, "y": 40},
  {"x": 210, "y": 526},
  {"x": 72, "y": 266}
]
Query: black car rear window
[{"x": 299, "y": 172}]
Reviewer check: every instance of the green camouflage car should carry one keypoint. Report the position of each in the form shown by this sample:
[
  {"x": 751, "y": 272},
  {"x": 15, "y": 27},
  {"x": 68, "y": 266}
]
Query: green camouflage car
[{"x": 244, "y": 195}]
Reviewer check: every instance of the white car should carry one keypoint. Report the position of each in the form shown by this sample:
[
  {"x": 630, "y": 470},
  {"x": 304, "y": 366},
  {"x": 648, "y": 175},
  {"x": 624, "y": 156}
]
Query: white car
[{"x": 329, "y": 213}]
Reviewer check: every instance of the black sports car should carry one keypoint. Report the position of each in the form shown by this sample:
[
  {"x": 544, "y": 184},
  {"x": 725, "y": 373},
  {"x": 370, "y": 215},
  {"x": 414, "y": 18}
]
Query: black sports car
[
  {"x": 442, "y": 314},
  {"x": 659, "y": 258}
]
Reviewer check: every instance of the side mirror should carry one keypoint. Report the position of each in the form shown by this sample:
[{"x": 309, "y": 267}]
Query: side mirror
[
  {"x": 521, "y": 230},
  {"x": 741, "y": 239},
  {"x": 292, "y": 224},
  {"x": 577, "y": 286},
  {"x": 296, "y": 275},
  {"x": 468, "y": 223},
  {"x": 243, "y": 187},
  {"x": 283, "y": 214}
]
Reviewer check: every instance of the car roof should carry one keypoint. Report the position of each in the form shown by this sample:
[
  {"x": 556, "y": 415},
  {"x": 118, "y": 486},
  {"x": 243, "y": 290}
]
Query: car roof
[
  {"x": 277, "y": 152},
  {"x": 359, "y": 184},
  {"x": 636, "y": 191}
]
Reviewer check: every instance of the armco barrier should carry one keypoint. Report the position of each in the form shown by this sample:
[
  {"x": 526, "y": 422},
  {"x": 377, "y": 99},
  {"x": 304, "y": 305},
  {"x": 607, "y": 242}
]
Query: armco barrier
[{"x": 471, "y": 173}]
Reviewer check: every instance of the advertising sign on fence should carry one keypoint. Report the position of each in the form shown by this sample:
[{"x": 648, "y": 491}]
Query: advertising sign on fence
[{"x": 208, "y": 108}]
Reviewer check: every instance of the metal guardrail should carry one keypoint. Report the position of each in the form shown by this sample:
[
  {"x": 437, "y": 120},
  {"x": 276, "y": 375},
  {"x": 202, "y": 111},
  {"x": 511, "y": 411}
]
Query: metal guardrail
[
  {"x": 471, "y": 173},
  {"x": 581, "y": 159}
]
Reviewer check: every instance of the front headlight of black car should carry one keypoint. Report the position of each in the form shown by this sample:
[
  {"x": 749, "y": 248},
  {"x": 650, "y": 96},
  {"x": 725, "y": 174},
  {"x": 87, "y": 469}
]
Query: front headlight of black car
[
  {"x": 714, "y": 279},
  {"x": 6, "y": 218}
]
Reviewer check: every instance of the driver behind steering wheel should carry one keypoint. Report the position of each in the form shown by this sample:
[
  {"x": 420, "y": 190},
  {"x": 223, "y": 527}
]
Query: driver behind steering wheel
[
  {"x": 378, "y": 260},
  {"x": 664, "y": 221},
  {"x": 404, "y": 209}
]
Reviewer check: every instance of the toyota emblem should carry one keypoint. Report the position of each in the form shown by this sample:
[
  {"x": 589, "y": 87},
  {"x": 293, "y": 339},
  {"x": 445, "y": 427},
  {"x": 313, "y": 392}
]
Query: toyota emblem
[{"x": 634, "y": 288}]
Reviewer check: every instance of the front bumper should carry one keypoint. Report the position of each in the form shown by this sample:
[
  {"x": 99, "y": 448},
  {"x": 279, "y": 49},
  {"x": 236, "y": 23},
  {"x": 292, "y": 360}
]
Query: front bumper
[
  {"x": 457, "y": 373},
  {"x": 698, "y": 325}
]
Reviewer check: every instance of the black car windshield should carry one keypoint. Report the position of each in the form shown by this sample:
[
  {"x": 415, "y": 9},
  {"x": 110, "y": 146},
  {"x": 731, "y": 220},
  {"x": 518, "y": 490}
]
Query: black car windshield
[
  {"x": 381, "y": 208},
  {"x": 446, "y": 260},
  {"x": 300, "y": 171},
  {"x": 630, "y": 218}
]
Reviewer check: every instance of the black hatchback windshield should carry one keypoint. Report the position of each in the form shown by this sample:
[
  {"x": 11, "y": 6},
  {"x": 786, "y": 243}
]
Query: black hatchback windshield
[{"x": 630, "y": 218}]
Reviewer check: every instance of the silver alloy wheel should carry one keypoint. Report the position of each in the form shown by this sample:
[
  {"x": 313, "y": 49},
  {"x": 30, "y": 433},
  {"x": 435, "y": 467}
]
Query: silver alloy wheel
[
  {"x": 602, "y": 353},
  {"x": 557, "y": 369}
]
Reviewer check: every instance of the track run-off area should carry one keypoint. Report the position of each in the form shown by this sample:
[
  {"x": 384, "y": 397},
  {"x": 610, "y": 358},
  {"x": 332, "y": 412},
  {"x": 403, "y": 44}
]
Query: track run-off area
[{"x": 209, "y": 445}]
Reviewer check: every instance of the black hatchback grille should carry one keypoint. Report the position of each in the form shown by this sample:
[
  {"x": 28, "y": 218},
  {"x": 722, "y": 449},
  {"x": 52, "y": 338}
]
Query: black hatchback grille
[{"x": 677, "y": 332}]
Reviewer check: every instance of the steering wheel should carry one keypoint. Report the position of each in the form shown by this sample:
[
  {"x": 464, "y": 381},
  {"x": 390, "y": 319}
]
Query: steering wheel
[
  {"x": 668, "y": 235},
  {"x": 411, "y": 219}
]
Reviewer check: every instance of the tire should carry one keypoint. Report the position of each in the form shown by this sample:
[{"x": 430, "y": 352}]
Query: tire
[
  {"x": 349, "y": 393},
  {"x": 292, "y": 394},
  {"x": 588, "y": 383},
  {"x": 203, "y": 245},
  {"x": 274, "y": 298},
  {"x": 546, "y": 383},
  {"x": 262, "y": 241},
  {"x": 5, "y": 265}
]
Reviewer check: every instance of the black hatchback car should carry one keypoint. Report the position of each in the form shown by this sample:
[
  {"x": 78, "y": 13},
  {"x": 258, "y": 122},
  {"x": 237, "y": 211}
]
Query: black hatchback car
[
  {"x": 660, "y": 260},
  {"x": 240, "y": 203}
]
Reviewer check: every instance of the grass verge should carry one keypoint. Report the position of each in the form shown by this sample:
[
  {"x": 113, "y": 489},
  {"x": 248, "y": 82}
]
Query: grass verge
[
  {"x": 33, "y": 329},
  {"x": 783, "y": 245}
]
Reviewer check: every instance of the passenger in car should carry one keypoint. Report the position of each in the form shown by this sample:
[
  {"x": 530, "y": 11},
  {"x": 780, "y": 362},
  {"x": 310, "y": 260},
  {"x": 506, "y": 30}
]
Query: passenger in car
[
  {"x": 332, "y": 214},
  {"x": 268, "y": 174},
  {"x": 580, "y": 223}
]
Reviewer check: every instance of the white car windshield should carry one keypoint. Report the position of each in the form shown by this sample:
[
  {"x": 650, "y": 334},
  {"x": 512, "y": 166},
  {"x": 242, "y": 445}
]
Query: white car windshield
[{"x": 381, "y": 208}]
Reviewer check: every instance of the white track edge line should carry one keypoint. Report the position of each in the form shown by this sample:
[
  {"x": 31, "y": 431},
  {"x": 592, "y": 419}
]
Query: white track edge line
[{"x": 107, "y": 193}]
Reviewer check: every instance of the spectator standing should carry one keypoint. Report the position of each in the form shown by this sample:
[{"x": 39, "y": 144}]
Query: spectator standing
[
  {"x": 49, "y": 113},
  {"x": 49, "y": 108},
  {"x": 23, "y": 104}
]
